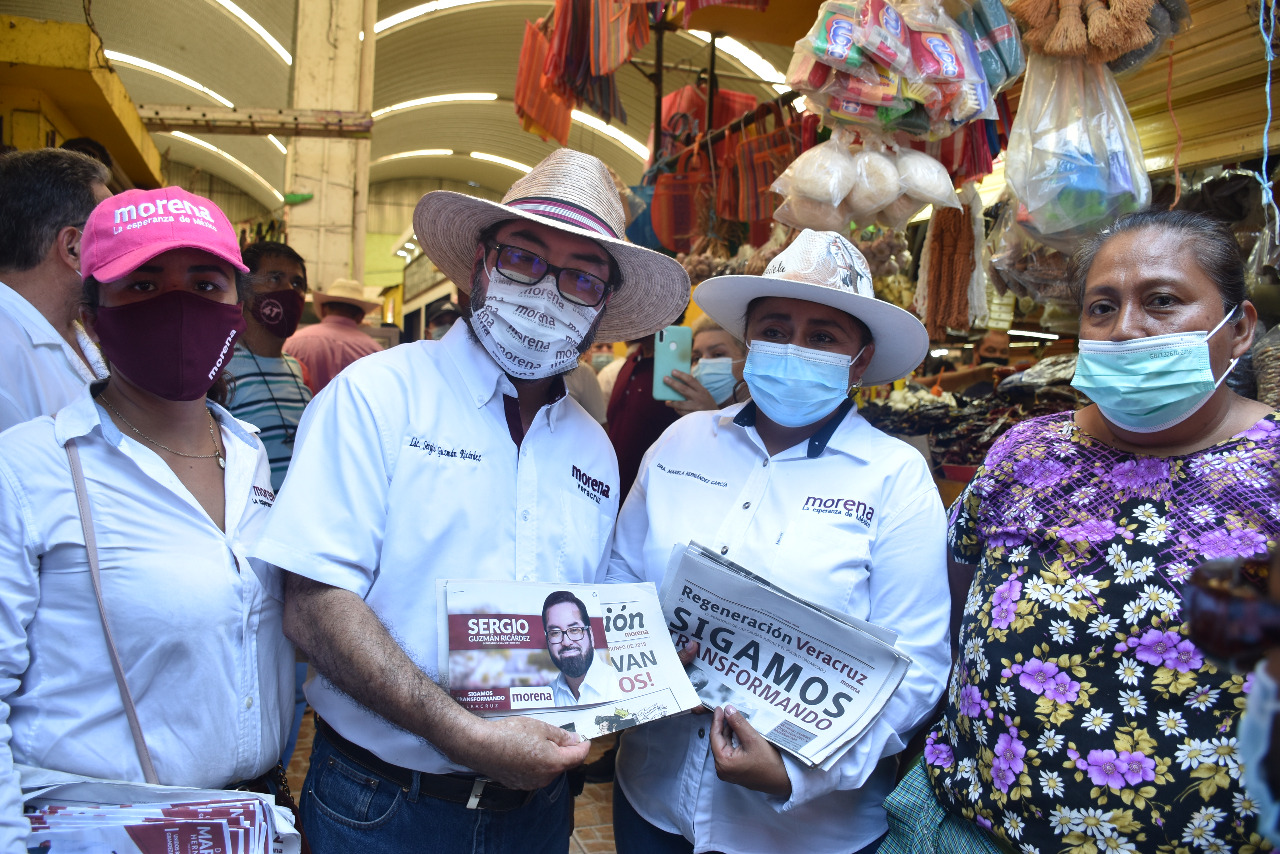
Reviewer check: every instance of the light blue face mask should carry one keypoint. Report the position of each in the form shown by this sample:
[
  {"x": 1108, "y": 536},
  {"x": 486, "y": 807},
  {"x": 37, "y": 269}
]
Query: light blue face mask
[
  {"x": 716, "y": 376},
  {"x": 600, "y": 360},
  {"x": 1149, "y": 384},
  {"x": 795, "y": 386},
  {"x": 1252, "y": 745}
]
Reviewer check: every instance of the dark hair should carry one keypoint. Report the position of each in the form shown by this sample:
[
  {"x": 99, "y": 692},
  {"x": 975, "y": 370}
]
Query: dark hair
[
  {"x": 559, "y": 597},
  {"x": 1214, "y": 247},
  {"x": 223, "y": 386},
  {"x": 41, "y": 193},
  {"x": 90, "y": 146},
  {"x": 863, "y": 329},
  {"x": 255, "y": 253}
]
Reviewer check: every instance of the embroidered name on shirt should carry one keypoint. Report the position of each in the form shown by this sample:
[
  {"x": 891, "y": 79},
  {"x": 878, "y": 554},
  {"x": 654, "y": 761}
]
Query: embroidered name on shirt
[
  {"x": 693, "y": 474},
  {"x": 434, "y": 449},
  {"x": 850, "y": 507},
  {"x": 590, "y": 486},
  {"x": 263, "y": 497}
]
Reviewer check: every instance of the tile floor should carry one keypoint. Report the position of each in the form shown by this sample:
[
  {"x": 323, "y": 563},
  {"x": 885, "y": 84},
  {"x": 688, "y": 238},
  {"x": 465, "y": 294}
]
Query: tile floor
[{"x": 593, "y": 811}]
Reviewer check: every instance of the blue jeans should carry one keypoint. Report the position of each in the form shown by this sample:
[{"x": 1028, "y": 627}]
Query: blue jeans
[
  {"x": 348, "y": 808},
  {"x": 633, "y": 834}
]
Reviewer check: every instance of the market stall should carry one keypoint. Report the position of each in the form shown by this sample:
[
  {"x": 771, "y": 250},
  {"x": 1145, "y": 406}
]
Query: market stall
[{"x": 968, "y": 148}]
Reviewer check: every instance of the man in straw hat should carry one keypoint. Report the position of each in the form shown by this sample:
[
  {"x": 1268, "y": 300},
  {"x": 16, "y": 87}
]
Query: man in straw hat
[
  {"x": 327, "y": 347},
  {"x": 796, "y": 486},
  {"x": 459, "y": 458}
]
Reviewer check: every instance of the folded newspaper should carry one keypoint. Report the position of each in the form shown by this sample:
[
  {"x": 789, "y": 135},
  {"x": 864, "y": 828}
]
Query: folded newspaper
[
  {"x": 70, "y": 814},
  {"x": 811, "y": 680},
  {"x": 591, "y": 658}
]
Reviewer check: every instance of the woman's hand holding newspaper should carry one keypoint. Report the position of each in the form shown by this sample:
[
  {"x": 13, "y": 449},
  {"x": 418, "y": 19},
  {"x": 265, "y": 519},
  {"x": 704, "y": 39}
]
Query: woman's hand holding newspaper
[{"x": 744, "y": 757}]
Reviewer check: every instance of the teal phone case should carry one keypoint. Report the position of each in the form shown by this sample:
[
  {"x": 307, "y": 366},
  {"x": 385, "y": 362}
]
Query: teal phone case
[{"x": 672, "y": 351}]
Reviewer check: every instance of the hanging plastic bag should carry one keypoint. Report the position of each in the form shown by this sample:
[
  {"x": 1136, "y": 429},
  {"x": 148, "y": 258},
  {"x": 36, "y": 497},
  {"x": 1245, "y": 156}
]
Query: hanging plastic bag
[
  {"x": 847, "y": 32},
  {"x": 877, "y": 185},
  {"x": 924, "y": 178},
  {"x": 815, "y": 185},
  {"x": 1074, "y": 159}
]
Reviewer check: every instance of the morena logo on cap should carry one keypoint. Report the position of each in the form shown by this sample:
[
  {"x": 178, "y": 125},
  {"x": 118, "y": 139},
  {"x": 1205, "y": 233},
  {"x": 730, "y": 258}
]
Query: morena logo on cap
[{"x": 136, "y": 216}]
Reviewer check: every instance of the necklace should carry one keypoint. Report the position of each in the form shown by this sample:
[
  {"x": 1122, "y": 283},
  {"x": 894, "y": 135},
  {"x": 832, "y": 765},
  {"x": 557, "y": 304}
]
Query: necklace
[
  {"x": 222, "y": 462},
  {"x": 289, "y": 431}
]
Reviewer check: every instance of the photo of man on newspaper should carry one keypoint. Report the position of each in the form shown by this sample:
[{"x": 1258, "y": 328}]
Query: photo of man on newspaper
[{"x": 568, "y": 631}]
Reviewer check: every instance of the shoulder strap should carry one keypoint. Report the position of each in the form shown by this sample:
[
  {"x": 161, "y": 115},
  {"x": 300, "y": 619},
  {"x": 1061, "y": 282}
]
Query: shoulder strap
[{"x": 91, "y": 546}]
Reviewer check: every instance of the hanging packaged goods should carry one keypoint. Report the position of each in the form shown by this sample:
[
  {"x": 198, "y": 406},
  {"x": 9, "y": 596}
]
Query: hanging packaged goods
[{"x": 1074, "y": 160}]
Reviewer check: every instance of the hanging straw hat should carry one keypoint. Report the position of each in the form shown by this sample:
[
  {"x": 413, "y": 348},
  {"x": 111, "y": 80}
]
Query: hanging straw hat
[
  {"x": 344, "y": 290},
  {"x": 571, "y": 192},
  {"x": 823, "y": 267}
]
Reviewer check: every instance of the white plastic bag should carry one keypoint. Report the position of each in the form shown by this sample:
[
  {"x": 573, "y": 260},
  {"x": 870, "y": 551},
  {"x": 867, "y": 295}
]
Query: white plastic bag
[
  {"x": 877, "y": 185},
  {"x": 925, "y": 179}
]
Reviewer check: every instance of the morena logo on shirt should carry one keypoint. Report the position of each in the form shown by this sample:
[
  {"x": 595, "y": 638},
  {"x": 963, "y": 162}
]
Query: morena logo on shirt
[
  {"x": 851, "y": 507},
  {"x": 263, "y": 496},
  {"x": 589, "y": 486}
]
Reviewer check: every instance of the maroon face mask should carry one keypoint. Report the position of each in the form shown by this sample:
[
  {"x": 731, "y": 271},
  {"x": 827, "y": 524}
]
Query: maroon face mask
[
  {"x": 173, "y": 345},
  {"x": 279, "y": 311}
]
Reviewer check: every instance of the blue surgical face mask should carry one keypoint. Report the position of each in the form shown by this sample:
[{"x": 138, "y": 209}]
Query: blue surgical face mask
[
  {"x": 1252, "y": 745},
  {"x": 1149, "y": 384},
  {"x": 438, "y": 332},
  {"x": 600, "y": 360},
  {"x": 795, "y": 386},
  {"x": 716, "y": 376}
]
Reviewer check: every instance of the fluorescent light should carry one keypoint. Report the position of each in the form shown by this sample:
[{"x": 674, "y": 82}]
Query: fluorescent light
[
  {"x": 422, "y": 152},
  {"x": 125, "y": 59},
  {"x": 218, "y": 151},
  {"x": 277, "y": 143},
  {"x": 612, "y": 132},
  {"x": 419, "y": 11},
  {"x": 436, "y": 99},
  {"x": 502, "y": 161},
  {"x": 1047, "y": 335},
  {"x": 941, "y": 351},
  {"x": 258, "y": 30},
  {"x": 754, "y": 62}
]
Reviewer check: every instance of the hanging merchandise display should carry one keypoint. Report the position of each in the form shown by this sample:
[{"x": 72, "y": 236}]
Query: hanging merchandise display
[
  {"x": 946, "y": 269},
  {"x": 684, "y": 111},
  {"x": 541, "y": 109},
  {"x": 682, "y": 200},
  {"x": 1124, "y": 33},
  {"x": 1074, "y": 160},
  {"x": 762, "y": 158}
]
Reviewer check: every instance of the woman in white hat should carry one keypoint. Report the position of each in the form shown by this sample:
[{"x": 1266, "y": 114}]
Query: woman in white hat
[{"x": 740, "y": 481}]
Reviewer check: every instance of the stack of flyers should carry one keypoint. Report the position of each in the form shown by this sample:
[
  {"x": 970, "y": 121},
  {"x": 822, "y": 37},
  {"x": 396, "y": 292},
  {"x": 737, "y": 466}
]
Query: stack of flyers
[{"x": 592, "y": 658}]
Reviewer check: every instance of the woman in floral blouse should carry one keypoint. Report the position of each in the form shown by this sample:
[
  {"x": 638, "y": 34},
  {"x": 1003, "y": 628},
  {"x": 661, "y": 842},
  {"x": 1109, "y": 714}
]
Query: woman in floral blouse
[{"x": 1080, "y": 717}]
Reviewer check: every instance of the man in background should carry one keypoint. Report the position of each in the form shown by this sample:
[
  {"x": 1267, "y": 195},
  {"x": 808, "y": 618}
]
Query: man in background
[
  {"x": 325, "y": 348},
  {"x": 46, "y": 359}
]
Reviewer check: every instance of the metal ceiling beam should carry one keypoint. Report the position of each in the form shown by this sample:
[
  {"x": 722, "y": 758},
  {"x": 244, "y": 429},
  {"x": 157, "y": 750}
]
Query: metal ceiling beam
[{"x": 249, "y": 121}]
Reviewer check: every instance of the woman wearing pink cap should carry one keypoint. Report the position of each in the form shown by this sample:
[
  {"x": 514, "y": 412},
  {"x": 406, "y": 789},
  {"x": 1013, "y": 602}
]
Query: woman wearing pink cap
[{"x": 137, "y": 640}]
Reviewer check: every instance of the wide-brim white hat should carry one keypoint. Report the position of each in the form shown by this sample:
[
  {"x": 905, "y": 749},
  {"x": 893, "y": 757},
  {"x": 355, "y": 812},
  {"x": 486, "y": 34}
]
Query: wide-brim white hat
[
  {"x": 344, "y": 290},
  {"x": 572, "y": 192},
  {"x": 823, "y": 267}
]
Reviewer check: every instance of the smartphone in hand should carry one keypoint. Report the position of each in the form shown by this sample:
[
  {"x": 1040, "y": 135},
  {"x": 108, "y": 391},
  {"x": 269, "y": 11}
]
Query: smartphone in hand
[{"x": 672, "y": 351}]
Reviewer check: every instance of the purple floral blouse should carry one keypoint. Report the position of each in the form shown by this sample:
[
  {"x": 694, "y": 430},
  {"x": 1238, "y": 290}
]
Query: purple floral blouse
[{"x": 1080, "y": 718}]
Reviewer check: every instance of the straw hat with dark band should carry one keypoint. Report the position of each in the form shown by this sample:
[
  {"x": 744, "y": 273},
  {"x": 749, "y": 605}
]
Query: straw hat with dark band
[{"x": 572, "y": 192}]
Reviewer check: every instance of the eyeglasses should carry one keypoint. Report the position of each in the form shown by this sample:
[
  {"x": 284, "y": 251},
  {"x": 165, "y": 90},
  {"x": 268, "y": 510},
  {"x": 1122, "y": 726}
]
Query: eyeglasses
[
  {"x": 572, "y": 633},
  {"x": 523, "y": 266}
]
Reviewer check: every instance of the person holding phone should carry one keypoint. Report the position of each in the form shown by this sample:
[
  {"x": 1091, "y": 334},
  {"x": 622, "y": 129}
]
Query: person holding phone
[
  {"x": 1079, "y": 705},
  {"x": 714, "y": 380},
  {"x": 744, "y": 481},
  {"x": 634, "y": 416}
]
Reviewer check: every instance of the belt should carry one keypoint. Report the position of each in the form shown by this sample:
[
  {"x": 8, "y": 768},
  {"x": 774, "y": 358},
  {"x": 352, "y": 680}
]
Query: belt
[{"x": 477, "y": 793}]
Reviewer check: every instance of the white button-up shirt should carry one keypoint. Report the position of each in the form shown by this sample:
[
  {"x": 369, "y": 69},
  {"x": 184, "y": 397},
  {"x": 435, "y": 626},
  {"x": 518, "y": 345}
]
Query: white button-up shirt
[
  {"x": 39, "y": 371},
  {"x": 594, "y": 688},
  {"x": 199, "y": 635},
  {"x": 710, "y": 479},
  {"x": 404, "y": 472}
]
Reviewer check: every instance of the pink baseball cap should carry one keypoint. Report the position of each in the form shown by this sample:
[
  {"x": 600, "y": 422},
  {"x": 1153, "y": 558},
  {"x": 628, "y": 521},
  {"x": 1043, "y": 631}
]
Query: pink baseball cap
[{"x": 126, "y": 231}]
